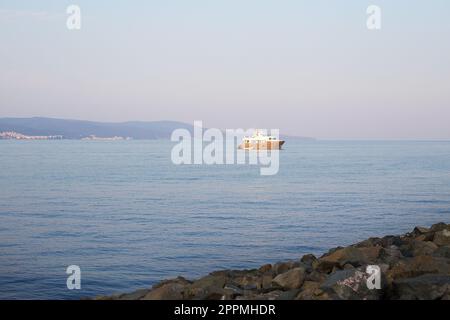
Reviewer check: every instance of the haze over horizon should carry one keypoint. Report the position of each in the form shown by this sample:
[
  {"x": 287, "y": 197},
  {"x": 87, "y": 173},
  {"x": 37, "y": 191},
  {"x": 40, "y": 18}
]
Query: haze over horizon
[{"x": 307, "y": 68}]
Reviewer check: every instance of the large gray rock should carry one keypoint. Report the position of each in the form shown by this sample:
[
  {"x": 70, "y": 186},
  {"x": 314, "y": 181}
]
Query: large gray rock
[
  {"x": 388, "y": 241},
  {"x": 282, "y": 267},
  {"x": 136, "y": 295},
  {"x": 350, "y": 285},
  {"x": 352, "y": 255},
  {"x": 390, "y": 255},
  {"x": 168, "y": 290},
  {"x": 308, "y": 291},
  {"x": 421, "y": 248},
  {"x": 424, "y": 287},
  {"x": 442, "y": 238},
  {"x": 308, "y": 259},
  {"x": 439, "y": 227},
  {"x": 420, "y": 230},
  {"x": 417, "y": 266},
  {"x": 371, "y": 242},
  {"x": 266, "y": 281},
  {"x": 443, "y": 252},
  {"x": 324, "y": 266},
  {"x": 272, "y": 295},
  {"x": 248, "y": 281},
  {"x": 208, "y": 287},
  {"x": 265, "y": 268},
  {"x": 316, "y": 276},
  {"x": 292, "y": 279},
  {"x": 288, "y": 295}
]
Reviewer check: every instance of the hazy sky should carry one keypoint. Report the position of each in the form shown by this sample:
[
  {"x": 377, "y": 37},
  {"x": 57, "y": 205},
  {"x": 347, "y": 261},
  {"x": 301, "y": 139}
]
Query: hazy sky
[{"x": 307, "y": 67}]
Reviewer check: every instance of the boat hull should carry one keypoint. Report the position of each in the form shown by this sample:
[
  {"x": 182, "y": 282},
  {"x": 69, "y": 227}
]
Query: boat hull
[{"x": 262, "y": 145}]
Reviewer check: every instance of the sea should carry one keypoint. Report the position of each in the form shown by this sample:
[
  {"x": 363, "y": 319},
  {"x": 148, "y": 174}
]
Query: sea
[{"x": 129, "y": 217}]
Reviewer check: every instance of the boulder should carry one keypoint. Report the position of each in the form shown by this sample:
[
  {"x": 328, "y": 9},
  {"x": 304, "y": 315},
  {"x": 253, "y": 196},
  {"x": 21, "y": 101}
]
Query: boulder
[
  {"x": 350, "y": 285},
  {"x": 231, "y": 291},
  {"x": 420, "y": 230},
  {"x": 352, "y": 255},
  {"x": 211, "y": 280},
  {"x": 371, "y": 242},
  {"x": 425, "y": 237},
  {"x": 308, "y": 259},
  {"x": 417, "y": 266},
  {"x": 288, "y": 295},
  {"x": 337, "y": 268},
  {"x": 282, "y": 267},
  {"x": 168, "y": 290},
  {"x": 248, "y": 282},
  {"x": 421, "y": 248},
  {"x": 272, "y": 295},
  {"x": 439, "y": 227},
  {"x": 324, "y": 265},
  {"x": 424, "y": 287},
  {"x": 442, "y": 238},
  {"x": 266, "y": 281},
  {"x": 308, "y": 291},
  {"x": 136, "y": 295},
  {"x": 208, "y": 287},
  {"x": 390, "y": 254},
  {"x": 292, "y": 279},
  {"x": 265, "y": 268},
  {"x": 316, "y": 276},
  {"x": 388, "y": 241},
  {"x": 113, "y": 297},
  {"x": 443, "y": 252}
]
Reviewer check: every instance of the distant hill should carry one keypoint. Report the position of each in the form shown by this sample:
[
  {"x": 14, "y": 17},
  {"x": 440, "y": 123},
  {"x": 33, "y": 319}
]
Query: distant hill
[{"x": 78, "y": 129}]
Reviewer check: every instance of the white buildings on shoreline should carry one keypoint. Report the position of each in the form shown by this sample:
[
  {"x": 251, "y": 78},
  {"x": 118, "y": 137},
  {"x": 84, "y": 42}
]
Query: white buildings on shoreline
[{"x": 12, "y": 135}]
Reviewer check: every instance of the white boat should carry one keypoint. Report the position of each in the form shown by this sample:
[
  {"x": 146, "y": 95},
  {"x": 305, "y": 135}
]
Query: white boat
[{"x": 259, "y": 141}]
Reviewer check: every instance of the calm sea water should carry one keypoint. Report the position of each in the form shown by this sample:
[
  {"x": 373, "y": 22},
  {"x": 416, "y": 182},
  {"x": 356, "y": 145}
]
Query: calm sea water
[{"x": 129, "y": 217}]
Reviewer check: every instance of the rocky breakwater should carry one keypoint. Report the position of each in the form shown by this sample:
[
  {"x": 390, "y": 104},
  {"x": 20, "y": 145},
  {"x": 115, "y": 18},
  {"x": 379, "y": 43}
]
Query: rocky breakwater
[{"x": 415, "y": 265}]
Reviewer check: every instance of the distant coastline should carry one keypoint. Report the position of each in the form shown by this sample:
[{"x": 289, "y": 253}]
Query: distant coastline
[
  {"x": 115, "y": 138},
  {"x": 39, "y": 128},
  {"x": 12, "y": 135}
]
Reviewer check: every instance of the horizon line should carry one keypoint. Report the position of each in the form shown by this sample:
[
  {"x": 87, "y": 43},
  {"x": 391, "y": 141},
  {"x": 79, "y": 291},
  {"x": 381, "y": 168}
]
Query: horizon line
[{"x": 418, "y": 139}]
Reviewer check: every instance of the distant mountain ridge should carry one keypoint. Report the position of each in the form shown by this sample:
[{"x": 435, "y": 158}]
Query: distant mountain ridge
[{"x": 78, "y": 129}]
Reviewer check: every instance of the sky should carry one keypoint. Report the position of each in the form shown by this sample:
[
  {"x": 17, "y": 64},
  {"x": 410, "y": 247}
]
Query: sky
[{"x": 308, "y": 68}]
